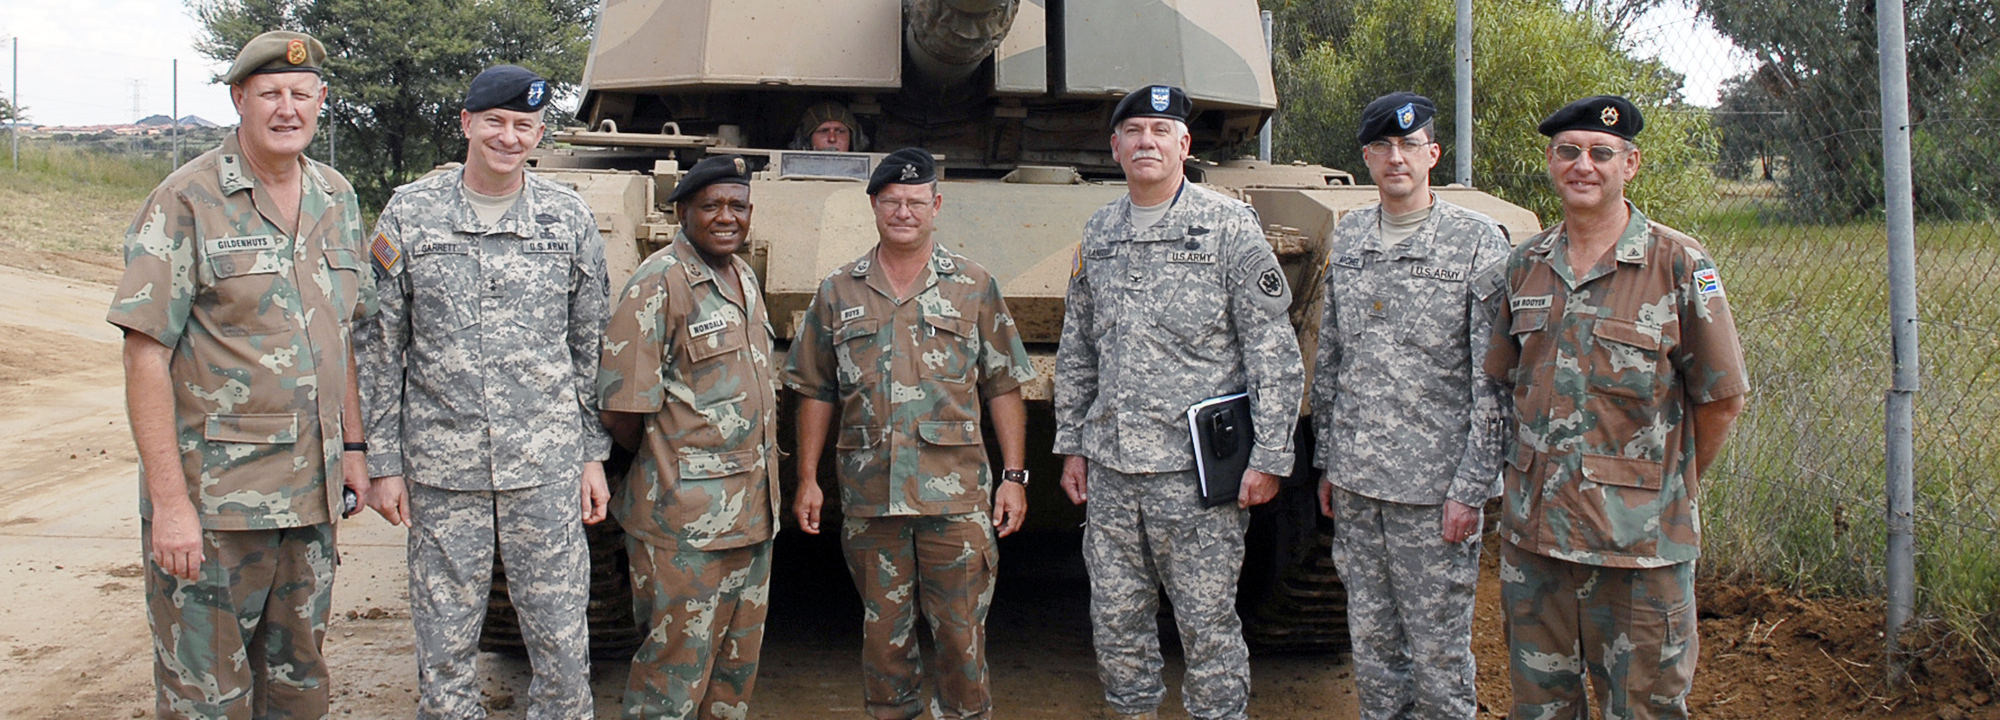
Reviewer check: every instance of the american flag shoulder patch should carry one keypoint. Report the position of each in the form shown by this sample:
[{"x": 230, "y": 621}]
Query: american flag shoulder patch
[{"x": 386, "y": 253}]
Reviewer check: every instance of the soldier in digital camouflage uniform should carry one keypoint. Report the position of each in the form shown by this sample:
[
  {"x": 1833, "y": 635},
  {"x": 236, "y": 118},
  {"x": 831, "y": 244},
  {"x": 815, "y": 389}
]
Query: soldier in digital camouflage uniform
[
  {"x": 243, "y": 277},
  {"x": 1176, "y": 298},
  {"x": 1408, "y": 425},
  {"x": 686, "y": 378},
  {"x": 480, "y": 386},
  {"x": 903, "y": 342},
  {"x": 1626, "y": 373}
]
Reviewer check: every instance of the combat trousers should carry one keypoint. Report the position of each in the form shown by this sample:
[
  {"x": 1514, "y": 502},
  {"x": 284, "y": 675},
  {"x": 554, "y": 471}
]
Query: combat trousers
[
  {"x": 244, "y": 640},
  {"x": 1631, "y": 629},
  {"x": 539, "y": 535},
  {"x": 1409, "y": 608},
  {"x": 943, "y": 566},
  {"x": 706, "y": 610},
  {"x": 1144, "y": 531}
]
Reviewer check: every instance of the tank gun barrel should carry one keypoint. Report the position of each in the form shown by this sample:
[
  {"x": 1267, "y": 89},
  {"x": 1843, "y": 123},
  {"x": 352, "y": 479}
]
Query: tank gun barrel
[{"x": 947, "y": 39}]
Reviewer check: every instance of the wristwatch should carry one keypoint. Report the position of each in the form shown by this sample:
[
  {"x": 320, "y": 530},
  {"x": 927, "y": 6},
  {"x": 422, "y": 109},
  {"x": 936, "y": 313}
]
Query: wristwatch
[{"x": 1014, "y": 475}]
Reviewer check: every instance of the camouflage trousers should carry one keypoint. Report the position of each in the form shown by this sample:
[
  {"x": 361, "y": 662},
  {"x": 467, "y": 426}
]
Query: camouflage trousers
[
  {"x": 1409, "y": 608},
  {"x": 538, "y": 532},
  {"x": 943, "y": 566},
  {"x": 706, "y": 610},
  {"x": 1145, "y": 531},
  {"x": 1632, "y": 630},
  {"x": 244, "y": 640}
]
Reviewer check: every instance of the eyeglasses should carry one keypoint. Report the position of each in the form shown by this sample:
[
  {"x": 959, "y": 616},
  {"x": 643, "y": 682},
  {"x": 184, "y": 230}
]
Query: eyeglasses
[
  {"x": 916, "y": 207},
  {"x": 1599, "y": 154},
  {"x": 1380, "y": 148}
]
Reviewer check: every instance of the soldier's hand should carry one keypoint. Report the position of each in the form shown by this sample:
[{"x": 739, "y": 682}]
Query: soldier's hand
[
  {"x": 806, "y": 505},
  {"x": 354, "y": 469},
  {"x": 1010, "y": 507},
  {"x": 390, "y": 499},
  {"x": 1461, "y": 521},
  {"x": 177, "y": 540},
  {"x": 1074, "y": 483},
  {"x": 596, "y": 495},
  {"x": 1325, "y": 496},
  {"x": 1258, "y": 488}
]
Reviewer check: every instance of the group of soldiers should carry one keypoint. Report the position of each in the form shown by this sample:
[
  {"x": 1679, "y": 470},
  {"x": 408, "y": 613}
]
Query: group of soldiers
[{"x": 477, "y": 368}]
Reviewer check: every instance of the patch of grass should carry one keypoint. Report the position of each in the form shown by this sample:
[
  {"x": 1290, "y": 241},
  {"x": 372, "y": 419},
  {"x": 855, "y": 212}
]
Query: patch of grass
[
  {"x": 1797, "y": 496},
  {"x": 69, "y": 199}
]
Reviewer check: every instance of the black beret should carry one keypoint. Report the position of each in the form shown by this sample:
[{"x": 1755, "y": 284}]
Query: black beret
[
  {"x": 508, "y": 87},
  {"x": 727, "y": 169},
  {"x": 277, "y": 51},
  {"x": 1603, "y": 113},
  {"x": 1394, "y": 115},
  {"x": 908, "y": 166},
  {"x": 1161, "y": 101}
]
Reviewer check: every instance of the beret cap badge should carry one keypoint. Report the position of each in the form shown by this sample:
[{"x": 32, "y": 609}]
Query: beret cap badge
[
  {"x": 1161, "y": 96},
  {"x": 1609, "y": 116},
  {"x": 738, "y": 164},
  {"x": 295, "y": 52},
  {"x": 909, "y": 173},
  {"x": 1406, "y": 115}
]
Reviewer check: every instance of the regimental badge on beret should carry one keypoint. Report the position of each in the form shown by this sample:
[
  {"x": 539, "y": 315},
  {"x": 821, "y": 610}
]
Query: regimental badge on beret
[
  {"x": 908, "y": 166},
  {"x": 1161, "y": 96},
  {"x": 295, "y": 52},
  {"x": 537, "y": 92},
  {"x": 1406, "y": 115},
  {"x": 1609, "y": 117},
  {"x": 741, "y": 169},
  {"x": 1161, "y": 101},
  {"x": 1396, "y": 114},
  {"x": 909, "y": 173},
  {"x": 1598, "y": 113}
]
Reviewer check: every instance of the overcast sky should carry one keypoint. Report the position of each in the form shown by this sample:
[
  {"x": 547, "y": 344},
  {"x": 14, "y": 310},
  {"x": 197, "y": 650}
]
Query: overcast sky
[{"x": 83, "y": 61}]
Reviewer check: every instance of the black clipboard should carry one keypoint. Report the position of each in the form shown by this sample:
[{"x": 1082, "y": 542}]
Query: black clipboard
[{"x": 1223, "y": 439}]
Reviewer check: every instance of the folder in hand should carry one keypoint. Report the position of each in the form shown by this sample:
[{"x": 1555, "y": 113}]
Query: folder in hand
[{"x": 1222, "y": 444}]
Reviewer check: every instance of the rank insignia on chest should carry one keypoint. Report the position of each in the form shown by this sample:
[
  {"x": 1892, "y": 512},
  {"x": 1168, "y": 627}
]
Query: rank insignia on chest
[
  {"x": 1204, "y": 258},
  {"x": 1271, "y": 282},
  {"x": 1708, "y": 282},
  {"x": 1351, "y": 262},
  {"x": 385, "y": 251},
  {"x": 706, "y": 327},
  {"x": 852, "y": 313},
  {"x": 1437, "y": 273}
]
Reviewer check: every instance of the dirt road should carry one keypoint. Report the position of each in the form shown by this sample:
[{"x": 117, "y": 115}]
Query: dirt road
[{"x": 73, "y": 626}]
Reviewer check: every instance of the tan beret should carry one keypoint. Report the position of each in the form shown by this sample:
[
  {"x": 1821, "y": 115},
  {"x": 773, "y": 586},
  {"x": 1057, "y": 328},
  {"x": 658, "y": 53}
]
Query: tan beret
[{"x": 277, "y": 51}]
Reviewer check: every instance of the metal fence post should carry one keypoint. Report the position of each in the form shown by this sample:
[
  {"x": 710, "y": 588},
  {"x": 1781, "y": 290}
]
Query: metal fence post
[
  {"x": 1270, "y": 54},
  {"x": 1462, "y": 70},
  {"x": 1900, "y": 450}
]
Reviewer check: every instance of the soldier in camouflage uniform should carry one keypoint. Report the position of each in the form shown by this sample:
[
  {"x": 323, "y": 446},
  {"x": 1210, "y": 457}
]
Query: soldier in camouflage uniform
[
  {"x": 1626, "y": 373},
  {"x": 1176, "y": 298},
  {"x": 1407, "y": 422},
  {"x": 686, "y": 378},
  {"x": 243, "y": 276},
  {"x": 480, "y": 387},
  {"x": 904, "y": 342}
]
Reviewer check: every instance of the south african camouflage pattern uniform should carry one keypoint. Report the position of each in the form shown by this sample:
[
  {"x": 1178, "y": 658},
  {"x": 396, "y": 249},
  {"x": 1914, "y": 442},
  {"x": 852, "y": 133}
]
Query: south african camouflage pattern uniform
[{"x": 259, "y": 322}]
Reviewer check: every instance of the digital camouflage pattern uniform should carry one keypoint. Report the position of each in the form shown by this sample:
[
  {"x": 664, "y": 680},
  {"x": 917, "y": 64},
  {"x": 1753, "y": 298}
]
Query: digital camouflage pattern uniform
[
  {"x": 479, "y": 383},
  {"x": 1606, "y": 367},
  {"x": 915, "y": 487},
  {"x": 1156, "y": 320},
  {"x": 259, "y": 322},
  {"x": 700, "y": 503},
  {"x": 1405, "y": 418}
]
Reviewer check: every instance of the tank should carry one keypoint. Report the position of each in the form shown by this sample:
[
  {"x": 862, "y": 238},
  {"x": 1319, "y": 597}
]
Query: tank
[{"x": 1014, "y": 98}]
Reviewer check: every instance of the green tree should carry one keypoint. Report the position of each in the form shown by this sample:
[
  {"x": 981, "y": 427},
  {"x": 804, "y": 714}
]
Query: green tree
[
  {"x": 397, "y": 70},
  {"x": 1530, "y": 57},
  {"x": 1819, "y": 63},
  {"x": 9, "y": 113},
  {"x": 1751, "y": 126}
]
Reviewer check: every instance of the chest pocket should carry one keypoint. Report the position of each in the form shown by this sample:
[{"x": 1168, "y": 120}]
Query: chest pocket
[
  {"x": 948, "y": 347},
  {"x": 444, "y": 283},
  {"x": 344, "y": 266},
  {"x": 1528, "y": 332},
  {"x": 1625, "y": 360},
  {"x": 856, "y": 354},
  {"x": 246, "y": 291},
  {"x": 535, "y": 285},
  {"x": 1189, "y": 298}
]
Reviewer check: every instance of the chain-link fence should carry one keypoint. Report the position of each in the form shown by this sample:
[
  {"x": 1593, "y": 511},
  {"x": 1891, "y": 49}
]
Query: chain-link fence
[{"x": 1763, "y": 139}]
